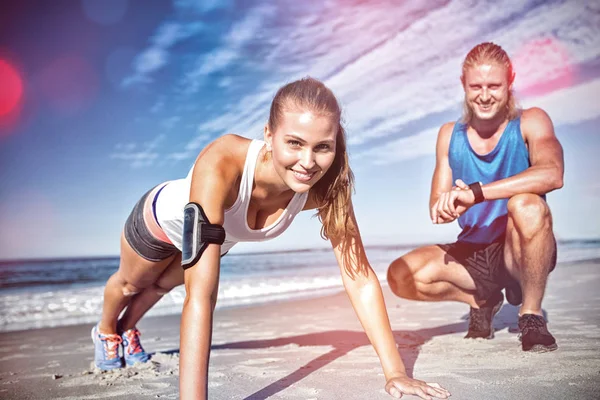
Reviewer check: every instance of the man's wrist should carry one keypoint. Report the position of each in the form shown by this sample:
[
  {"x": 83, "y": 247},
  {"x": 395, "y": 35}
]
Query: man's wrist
[{"x": 477, "y": 192}]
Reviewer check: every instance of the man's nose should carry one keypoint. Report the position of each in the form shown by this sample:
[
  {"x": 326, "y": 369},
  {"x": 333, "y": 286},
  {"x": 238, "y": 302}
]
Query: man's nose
[{"x": 485, "y": 94}]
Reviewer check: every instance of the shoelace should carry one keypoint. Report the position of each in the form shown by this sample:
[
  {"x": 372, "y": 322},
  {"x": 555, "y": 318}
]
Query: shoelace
[
  {"x": 133, "y": 338},
  {"x": 111, "y": 345},
  {"x": 532, "y": 323}
]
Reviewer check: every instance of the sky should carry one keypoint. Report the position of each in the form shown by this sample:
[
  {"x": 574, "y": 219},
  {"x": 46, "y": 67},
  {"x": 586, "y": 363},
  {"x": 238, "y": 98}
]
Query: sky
[{"x": 104, "y": 99}]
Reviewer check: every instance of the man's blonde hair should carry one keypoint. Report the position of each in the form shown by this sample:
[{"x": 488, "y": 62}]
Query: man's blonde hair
[{"x": 483, "y": 53}]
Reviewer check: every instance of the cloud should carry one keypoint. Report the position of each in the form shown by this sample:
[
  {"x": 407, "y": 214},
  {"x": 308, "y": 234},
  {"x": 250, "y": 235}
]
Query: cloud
[
  {"x": 403, "y": 149},
  {"x": 156, "y": 56},
  {"x": 415, "y": 73},
  {"x": 393, "y": 67},
  {"x": 570, "y": 105},
  {"x": 566, "y": 106},
  {"x": 201, "y": 6},
  {"x": 229, "y": 51},
  {"x": 398, "y": 65},
  {"x": 138, "y": 156}
]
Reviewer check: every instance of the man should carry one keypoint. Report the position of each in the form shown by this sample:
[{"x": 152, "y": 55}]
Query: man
[{"x": 502, "y": 161}]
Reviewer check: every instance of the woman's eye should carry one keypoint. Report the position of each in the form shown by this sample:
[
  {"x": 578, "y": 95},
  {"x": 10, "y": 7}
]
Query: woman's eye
[
  {"x": 294, "y": 143},
  {"x": 323, "y": 147}
]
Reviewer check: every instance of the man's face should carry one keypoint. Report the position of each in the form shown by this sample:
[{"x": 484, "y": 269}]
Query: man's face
[{"x": 487, "y": 90}]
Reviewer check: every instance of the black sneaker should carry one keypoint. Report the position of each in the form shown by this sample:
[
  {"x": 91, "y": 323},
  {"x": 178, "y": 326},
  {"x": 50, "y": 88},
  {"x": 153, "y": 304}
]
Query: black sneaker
[
  {"x": 514, "y": 295},
  {"x": 534, "y": 334},
  {"x": 480, "y": 319}
]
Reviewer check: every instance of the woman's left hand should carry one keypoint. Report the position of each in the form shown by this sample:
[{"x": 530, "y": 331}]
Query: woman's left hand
[{"x": 401, "y": 385}]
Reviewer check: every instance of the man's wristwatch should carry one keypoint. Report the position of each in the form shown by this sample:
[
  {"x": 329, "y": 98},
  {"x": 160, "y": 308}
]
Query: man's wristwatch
[{"x": 477, "y": 191}]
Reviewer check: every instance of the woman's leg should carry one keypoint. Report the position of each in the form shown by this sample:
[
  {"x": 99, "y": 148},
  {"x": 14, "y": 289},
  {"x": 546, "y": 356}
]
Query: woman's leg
[
  {"x": 171, "y": 277},
  {"x": 134, "y": 275}
]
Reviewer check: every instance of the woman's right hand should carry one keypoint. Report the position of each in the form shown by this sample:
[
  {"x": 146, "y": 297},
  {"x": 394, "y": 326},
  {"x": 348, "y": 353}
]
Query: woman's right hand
[{"x": 401, "y": 385}]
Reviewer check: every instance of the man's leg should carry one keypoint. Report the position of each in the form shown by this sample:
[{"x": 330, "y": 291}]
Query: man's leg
[
  {"x": 430, "y": 274},
  {"x": 529, "y": 254}
]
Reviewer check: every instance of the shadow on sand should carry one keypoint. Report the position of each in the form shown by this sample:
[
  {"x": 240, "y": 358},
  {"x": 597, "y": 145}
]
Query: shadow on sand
[{"x": 409, "y": 345}]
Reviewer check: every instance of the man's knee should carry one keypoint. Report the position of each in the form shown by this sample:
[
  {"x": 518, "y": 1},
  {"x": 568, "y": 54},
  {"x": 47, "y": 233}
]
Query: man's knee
[
  {"x": 529, "y": 213},
  {"x": 400, "y": 279}
]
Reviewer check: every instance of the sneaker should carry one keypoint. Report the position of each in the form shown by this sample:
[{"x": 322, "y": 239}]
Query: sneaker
[
  {"x": 132, "y": 348},
  {"x": 106, "y": 350},
  {"x": 534, "y": 334},
  {"x": 513, "y": 292},
  {"x": 480, "y": 319}
]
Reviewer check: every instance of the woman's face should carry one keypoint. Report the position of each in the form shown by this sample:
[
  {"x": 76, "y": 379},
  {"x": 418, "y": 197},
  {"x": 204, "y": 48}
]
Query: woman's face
[{"x": 303, "y": 148}]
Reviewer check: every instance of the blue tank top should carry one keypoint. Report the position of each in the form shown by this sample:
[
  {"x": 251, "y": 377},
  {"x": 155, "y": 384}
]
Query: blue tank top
[{"x": 486, "y": 222}]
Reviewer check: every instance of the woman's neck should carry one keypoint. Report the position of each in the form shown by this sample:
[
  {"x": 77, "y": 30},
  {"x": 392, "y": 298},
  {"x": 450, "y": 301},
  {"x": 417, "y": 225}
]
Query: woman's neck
[{"x": 267, "y": 182}]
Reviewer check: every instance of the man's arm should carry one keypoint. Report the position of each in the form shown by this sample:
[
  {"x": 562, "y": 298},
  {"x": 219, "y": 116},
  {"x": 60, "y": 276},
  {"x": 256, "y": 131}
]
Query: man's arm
[
  {"x": 546, "y": 156},
  {"x": 442, "y": 175}
]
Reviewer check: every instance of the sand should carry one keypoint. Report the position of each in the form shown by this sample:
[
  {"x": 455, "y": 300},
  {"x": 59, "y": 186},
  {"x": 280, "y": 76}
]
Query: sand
[{"x": 315, "y": 349}]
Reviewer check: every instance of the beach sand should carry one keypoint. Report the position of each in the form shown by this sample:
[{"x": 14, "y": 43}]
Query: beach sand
[{"x": 316, "y": 349}]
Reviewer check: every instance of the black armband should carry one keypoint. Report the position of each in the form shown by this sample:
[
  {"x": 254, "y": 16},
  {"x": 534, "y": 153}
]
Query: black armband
[{"x": 198, "y": 233}]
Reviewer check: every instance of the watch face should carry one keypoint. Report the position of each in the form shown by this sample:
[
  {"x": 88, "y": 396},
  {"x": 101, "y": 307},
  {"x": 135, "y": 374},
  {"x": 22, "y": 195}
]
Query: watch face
[{"x": 189, "y": 242}]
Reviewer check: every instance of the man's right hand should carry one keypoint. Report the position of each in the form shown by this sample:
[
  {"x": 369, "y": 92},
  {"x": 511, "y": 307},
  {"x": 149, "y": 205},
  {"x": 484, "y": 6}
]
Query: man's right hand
[{"x": 451, "y": 205}]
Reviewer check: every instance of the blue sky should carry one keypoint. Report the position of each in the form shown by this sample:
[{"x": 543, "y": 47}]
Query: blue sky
[{"x": 121, "y": 95}]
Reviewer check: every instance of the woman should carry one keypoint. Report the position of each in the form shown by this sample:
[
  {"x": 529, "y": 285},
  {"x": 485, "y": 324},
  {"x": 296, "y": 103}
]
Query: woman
[{"x": 252, "y": 191}]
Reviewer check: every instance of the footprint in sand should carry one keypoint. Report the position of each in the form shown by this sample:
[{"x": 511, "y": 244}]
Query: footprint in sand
[
  {"x": 154, "y": 385},
  {"x": 261, "y": 361}
]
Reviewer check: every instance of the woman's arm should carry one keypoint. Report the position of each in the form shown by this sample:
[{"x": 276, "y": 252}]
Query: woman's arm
[
  {"x": 364, "y": 291},
  {"x": 215, "y": 172}
]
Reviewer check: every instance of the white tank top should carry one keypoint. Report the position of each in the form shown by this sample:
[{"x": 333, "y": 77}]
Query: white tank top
[{"x": 176, "y": 194}]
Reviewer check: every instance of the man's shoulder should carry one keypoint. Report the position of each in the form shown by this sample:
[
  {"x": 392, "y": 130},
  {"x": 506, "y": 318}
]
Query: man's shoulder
[
  {"x": 534, "y": 119},
  {"x": 447, "y": 129},
  {"x": 533, "y": 114}
]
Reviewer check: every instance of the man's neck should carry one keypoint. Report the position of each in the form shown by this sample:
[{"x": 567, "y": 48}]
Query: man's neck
[{"x": 488, "y": 128}]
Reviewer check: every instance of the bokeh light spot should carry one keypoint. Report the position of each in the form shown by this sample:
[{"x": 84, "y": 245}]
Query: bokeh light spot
[{"x": 12, "y": 88}]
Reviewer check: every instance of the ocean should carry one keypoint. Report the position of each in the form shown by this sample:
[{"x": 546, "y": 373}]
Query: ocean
[{"x": 47, "y": 293}]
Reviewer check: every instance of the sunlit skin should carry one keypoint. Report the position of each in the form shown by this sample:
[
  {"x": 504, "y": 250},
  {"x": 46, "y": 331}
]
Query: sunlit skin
[
  {"x": 487, "y": 87},
  {"x": 302, "y": 148}
]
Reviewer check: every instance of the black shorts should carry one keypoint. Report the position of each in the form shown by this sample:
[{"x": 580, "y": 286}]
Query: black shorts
[
  {"x": 141, "y": 240},
  {"x": 485, "y": 263}
]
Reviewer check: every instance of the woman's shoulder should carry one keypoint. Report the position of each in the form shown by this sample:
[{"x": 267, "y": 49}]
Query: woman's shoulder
[{"x": 228, "y": 151}]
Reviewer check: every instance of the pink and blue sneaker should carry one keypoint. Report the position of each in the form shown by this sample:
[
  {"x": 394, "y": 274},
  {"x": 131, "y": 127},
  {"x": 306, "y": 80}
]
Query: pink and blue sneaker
[
  {"x": 133, "y": 352},
  {"x": 106, "y": 350}
]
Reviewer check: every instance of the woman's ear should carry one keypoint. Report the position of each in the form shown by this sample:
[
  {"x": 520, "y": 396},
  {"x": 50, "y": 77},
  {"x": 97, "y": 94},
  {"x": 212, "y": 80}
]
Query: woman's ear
[{"x": 268, "y": 137}]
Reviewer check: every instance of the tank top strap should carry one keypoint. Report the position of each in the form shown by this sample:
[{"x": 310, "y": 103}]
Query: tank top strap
[{"x": 247, "y": 180}]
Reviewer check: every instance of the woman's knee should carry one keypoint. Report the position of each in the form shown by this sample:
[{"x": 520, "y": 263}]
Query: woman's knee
[
  {"x": 128, "y": 287},
  {"x": 161, "y": 288}
]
